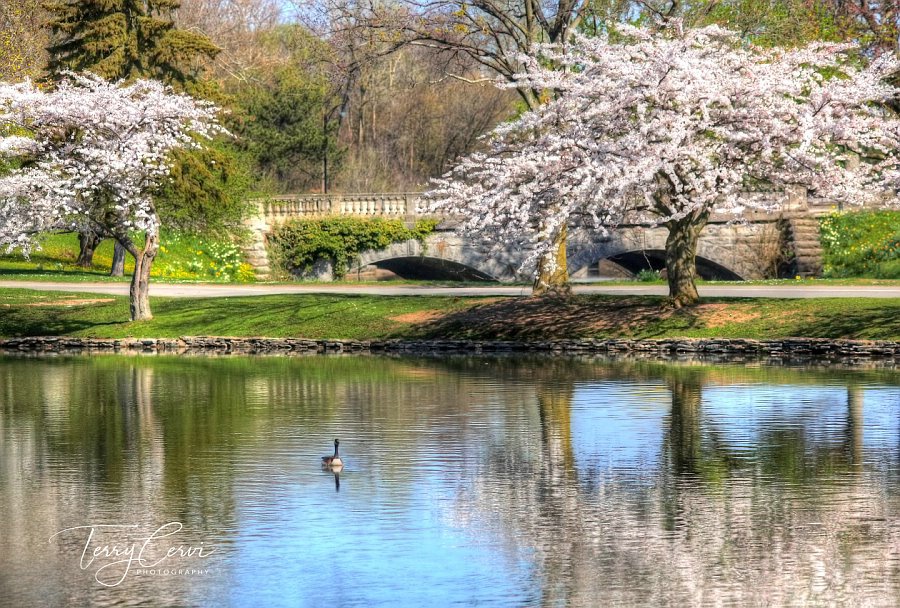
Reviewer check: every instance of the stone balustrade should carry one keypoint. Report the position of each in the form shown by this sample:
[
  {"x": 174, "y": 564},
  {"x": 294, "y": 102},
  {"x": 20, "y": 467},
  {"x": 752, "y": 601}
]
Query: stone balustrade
[
  {"x": 277, "y": 209},
  {"x": 282, "y": 207}
]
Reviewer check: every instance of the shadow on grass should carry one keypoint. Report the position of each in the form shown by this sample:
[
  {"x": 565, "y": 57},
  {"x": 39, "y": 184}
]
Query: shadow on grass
[
  {"x": 51, "y": 272},
  {"x": 644, "y": 317},
  {"x": 547, "y": 318},
  {"x": 21, "y": 322},
  {"x": 874, "y": 322}
]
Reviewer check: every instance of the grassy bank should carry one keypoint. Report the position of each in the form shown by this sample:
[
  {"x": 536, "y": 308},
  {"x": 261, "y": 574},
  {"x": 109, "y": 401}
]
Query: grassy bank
[
  {"x": 180, "y": 258},
  {"x": 862, "y": 244},
  {"x": 30, "y": 313}
]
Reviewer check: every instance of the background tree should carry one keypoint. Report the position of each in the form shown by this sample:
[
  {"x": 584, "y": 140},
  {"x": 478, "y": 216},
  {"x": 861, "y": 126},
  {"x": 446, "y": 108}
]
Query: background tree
[
  {"x": 669, "y": 127},
  {"x": 97, "y": 153},
  {"x": 286, "y": 111},
  {"x": 874, "y": 24},
  {"x": 237, "y": 28},
  {"x": 407, "y": 122},
  {"x": 491, "y": 33},
  {"x": 122, "y": 40},
  {"x": 206, "y": 190},
  {"x": 22, "y": 40},
  {"x": 384, "y": 123},
  {"x": 770, "y": 23},
  {"x": 286, "y": 128}
]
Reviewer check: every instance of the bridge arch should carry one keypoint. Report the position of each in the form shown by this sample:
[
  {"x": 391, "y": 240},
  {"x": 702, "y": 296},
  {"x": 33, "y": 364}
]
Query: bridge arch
[
  {"x": 425, "y": 268},
  {"x": 437, "y": 260},
  {"x": 635, "y": 260}
]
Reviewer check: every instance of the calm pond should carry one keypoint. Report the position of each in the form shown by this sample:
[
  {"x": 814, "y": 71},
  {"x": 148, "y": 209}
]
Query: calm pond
[{"x": 467, "y": 481}]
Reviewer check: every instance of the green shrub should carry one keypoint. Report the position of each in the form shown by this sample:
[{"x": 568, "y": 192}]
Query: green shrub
[
  {"x": 207, "y": 191},
  {"x": 861, "y": 244},
  {"x": 648, "y": 275},
  {"x": 297, "y": 244}
]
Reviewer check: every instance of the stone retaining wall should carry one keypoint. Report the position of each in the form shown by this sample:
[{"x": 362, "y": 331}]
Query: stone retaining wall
[{"x": 729, "y": 349}]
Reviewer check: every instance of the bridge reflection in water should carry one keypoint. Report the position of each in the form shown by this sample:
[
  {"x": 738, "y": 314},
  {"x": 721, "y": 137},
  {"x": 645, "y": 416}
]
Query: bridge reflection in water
[{"x": 482, "y": 480}]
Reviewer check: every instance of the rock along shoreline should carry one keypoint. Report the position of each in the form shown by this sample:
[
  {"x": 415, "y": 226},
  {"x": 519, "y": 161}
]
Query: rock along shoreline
[{"x": 820, "y": 349}]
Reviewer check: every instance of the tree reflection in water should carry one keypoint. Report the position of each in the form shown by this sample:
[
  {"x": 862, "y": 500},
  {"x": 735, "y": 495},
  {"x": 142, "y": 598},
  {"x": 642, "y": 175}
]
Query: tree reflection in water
[
  {"x": 800, "y": 520},
  {"x": 579, "y": 482}
]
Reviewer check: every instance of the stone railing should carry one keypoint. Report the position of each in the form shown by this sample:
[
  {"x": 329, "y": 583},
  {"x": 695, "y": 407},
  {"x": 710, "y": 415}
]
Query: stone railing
[{"x": 277, "y": 209}]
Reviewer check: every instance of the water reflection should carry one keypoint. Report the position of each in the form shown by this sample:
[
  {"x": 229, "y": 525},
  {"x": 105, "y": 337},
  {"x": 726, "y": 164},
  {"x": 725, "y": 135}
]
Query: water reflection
[{"x": 470, "y": 480}]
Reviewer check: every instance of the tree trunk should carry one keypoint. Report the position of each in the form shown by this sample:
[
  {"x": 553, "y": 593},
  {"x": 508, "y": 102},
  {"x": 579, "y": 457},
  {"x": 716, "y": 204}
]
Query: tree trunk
[
  {"x": 118, "y": 261},
  {"x": 681, "y": 258},
  {"x": 553, "y": 271},
  {"x": 684, "y": 426},
  {"x": 88, "y": 241},
  {"x": 140, "y": 280}
]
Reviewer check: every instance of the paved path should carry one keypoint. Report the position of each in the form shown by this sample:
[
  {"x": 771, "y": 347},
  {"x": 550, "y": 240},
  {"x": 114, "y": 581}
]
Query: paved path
[{"x": 221, "y": 291}]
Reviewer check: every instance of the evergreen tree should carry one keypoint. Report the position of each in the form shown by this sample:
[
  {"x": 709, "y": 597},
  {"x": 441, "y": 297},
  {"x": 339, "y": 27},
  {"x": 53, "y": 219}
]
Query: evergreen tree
[
  {"x": 124, "y": 39},
  {"x": 287, "y": 115},
  {"x": 284, "y": 126}
]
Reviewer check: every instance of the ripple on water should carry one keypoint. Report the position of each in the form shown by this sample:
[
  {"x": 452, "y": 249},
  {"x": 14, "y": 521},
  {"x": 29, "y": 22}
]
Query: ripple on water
[{"x": 492, "y": 481}]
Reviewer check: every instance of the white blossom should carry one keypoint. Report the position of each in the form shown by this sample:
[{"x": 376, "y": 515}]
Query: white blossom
[
  {"x": 662, "y": 125},
  {"x": 91, "y": 154}
]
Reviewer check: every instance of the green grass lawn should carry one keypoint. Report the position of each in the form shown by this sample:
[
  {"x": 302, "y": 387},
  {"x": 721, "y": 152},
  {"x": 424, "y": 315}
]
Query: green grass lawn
[
  {"x": 862, "y": 244},
  {"x": 32, "y": 313},
  {"x": 180, "y": 258}
]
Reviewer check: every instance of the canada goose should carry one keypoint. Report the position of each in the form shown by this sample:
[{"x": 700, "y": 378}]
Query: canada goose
[{"x": 335, "y": 461}]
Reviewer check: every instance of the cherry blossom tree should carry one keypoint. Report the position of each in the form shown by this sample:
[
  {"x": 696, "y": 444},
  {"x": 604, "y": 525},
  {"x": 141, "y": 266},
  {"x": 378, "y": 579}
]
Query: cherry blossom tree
[
  {"x": 89, "y": 153},
  {"x": 668, "y": 127}
]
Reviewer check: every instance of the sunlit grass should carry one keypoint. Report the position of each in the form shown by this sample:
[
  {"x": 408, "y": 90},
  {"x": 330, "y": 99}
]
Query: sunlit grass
[
  {"x": 181, "y": 258},
  {"x": 26, "y": 312}
]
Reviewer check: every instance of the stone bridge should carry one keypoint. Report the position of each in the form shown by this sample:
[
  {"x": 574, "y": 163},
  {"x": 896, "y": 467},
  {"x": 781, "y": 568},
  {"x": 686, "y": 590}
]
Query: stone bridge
[{"x": 751, "y": 249}]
